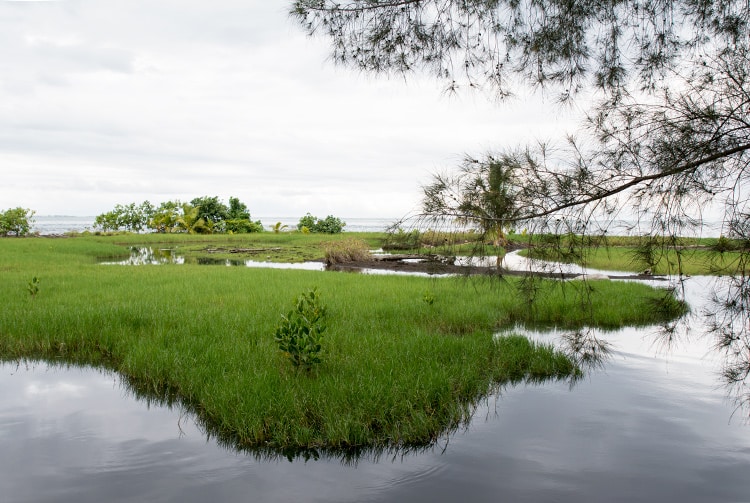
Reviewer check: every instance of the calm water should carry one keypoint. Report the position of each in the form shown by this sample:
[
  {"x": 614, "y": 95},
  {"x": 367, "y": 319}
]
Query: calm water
[{"x": 647, "y": 427}]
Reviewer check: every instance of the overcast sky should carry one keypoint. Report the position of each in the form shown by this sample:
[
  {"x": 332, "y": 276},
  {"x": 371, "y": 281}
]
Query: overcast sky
[{"x": 112, "y": 102}]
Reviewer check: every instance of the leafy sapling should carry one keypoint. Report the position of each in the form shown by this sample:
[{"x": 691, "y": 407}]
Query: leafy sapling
[
  {"x": 33, "y": 287},
  {"x": 299, "y": 335}
]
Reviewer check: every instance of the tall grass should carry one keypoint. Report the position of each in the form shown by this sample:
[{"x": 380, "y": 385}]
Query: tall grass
[
  {"x": 346, "y": 250},
  {"x": 396, "y": 370}
]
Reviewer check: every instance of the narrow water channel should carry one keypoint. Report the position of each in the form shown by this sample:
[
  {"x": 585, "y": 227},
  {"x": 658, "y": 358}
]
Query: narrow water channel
[{"x": 647, "y": 426}]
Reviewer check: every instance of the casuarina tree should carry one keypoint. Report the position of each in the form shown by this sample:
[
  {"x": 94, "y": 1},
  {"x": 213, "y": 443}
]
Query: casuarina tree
[{"x": 665, "y": 87}]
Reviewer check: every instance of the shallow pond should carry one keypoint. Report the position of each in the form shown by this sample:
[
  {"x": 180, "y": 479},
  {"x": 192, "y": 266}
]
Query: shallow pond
[{"x": 647, "y": 426}]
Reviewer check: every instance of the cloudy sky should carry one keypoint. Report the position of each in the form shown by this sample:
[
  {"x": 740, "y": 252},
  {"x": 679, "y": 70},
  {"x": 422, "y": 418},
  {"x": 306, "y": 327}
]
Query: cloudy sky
[{"x": 112, "y": 102}]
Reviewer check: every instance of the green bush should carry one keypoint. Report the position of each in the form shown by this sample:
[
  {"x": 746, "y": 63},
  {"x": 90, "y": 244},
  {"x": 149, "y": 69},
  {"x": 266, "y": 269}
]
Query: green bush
[
  {"x": 16, "y": 221},
  {"x": 242, "y": 226},
  {"x": 329, "y": 225},
  {"x": 299, "y": 335},
  {"x": 307, "y": 221}
]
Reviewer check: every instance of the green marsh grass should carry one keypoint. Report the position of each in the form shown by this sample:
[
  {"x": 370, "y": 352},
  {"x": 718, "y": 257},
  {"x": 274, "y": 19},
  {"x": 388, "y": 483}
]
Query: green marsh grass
[
  {"x": 396, "y": 370},
  {"x": 692, "y": 261}
]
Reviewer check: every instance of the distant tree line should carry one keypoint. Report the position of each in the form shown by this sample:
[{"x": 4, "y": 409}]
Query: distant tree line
[{"x": 202, "y": 215}]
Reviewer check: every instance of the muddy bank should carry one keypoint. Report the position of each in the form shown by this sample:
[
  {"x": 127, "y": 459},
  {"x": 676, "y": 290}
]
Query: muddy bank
[{"x": 439, "y": 265}]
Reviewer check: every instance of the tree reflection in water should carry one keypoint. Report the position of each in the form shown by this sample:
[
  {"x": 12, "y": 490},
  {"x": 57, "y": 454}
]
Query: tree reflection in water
[
  {"x": 722, "y": 316},
  {"x": 728, "y": 322}
]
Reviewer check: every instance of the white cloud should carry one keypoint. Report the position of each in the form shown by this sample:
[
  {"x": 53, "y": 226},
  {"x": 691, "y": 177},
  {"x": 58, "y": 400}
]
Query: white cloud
[{"x": 112, "y": 102}]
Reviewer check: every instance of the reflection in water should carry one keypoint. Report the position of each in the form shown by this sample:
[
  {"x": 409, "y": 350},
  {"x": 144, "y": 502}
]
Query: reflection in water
[
  {"x": 586, "y": 349},
  {"x": 727, "y": 321},
  {"x": 348, "y": 456},
  {"x": 149, "y": 256},
  {"x": 720, "y": 314},
  {"x": 62, "y": 384}
]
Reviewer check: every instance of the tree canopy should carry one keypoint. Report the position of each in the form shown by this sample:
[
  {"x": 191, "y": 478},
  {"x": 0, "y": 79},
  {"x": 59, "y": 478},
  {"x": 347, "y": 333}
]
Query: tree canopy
[
  {"x": 667, "y": 130},
  {"x": 16, "y": 222},
  {"x": 667, "y": 83},
  {"x": 499, "y": 43},
  {"x": 202, "y": 215}
]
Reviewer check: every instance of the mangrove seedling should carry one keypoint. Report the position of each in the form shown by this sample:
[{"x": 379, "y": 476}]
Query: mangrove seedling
[
  {"x": 33, "y": 287},
  {"x": 299, "y": 334}
]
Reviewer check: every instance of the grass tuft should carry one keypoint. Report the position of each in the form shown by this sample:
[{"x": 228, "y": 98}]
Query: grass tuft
[{"x": 347, "y": 250}]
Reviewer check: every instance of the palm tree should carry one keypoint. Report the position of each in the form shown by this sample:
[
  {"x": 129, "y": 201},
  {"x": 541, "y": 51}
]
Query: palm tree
[
  {"x": 191, "y": 222},
  {"x": 278, "y": 227}
]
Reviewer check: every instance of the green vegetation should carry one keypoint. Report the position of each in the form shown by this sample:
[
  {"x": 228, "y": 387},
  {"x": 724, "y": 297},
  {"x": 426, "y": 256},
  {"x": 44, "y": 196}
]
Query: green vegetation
[
  {"x": 16, "y": 222},
  {"x": 192, "y": 222},
  {"x": 130, "y": 217},
  {"x": 278, "y": 227},
  {"x": 33, "y": 287},
  {"x": 480, "y": 194},
  {"x": 203, "y": 215},
  {"x": 346, "y": 250},
  {"x": 328, "y": 225},
  {"x": 657, "y": 255},
  {"x": 300, "y": 333},
  {"x": 709, "y": 256},
  {"x": 406, "y": 358}
]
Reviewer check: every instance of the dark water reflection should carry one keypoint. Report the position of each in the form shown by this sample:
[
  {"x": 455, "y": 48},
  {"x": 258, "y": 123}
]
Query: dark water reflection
[
  {"x": 156, "y": 256},
  {"x": 645, "y": 426}
]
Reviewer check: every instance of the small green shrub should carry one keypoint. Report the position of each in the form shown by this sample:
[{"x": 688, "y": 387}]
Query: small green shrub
[
  {"x": 299, "y": 334},
  {"x": 307, "y": 221},
  {"x": 242, "y": 226},
  {"x": 33, "y": 287}
]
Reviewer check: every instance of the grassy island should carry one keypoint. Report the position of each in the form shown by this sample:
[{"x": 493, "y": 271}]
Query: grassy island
[{"x": 404, "y": 358}]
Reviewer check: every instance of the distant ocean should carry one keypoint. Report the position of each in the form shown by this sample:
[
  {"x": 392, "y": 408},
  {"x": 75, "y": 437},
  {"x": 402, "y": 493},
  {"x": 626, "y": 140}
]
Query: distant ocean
[{"x": 60, "y": 224}]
